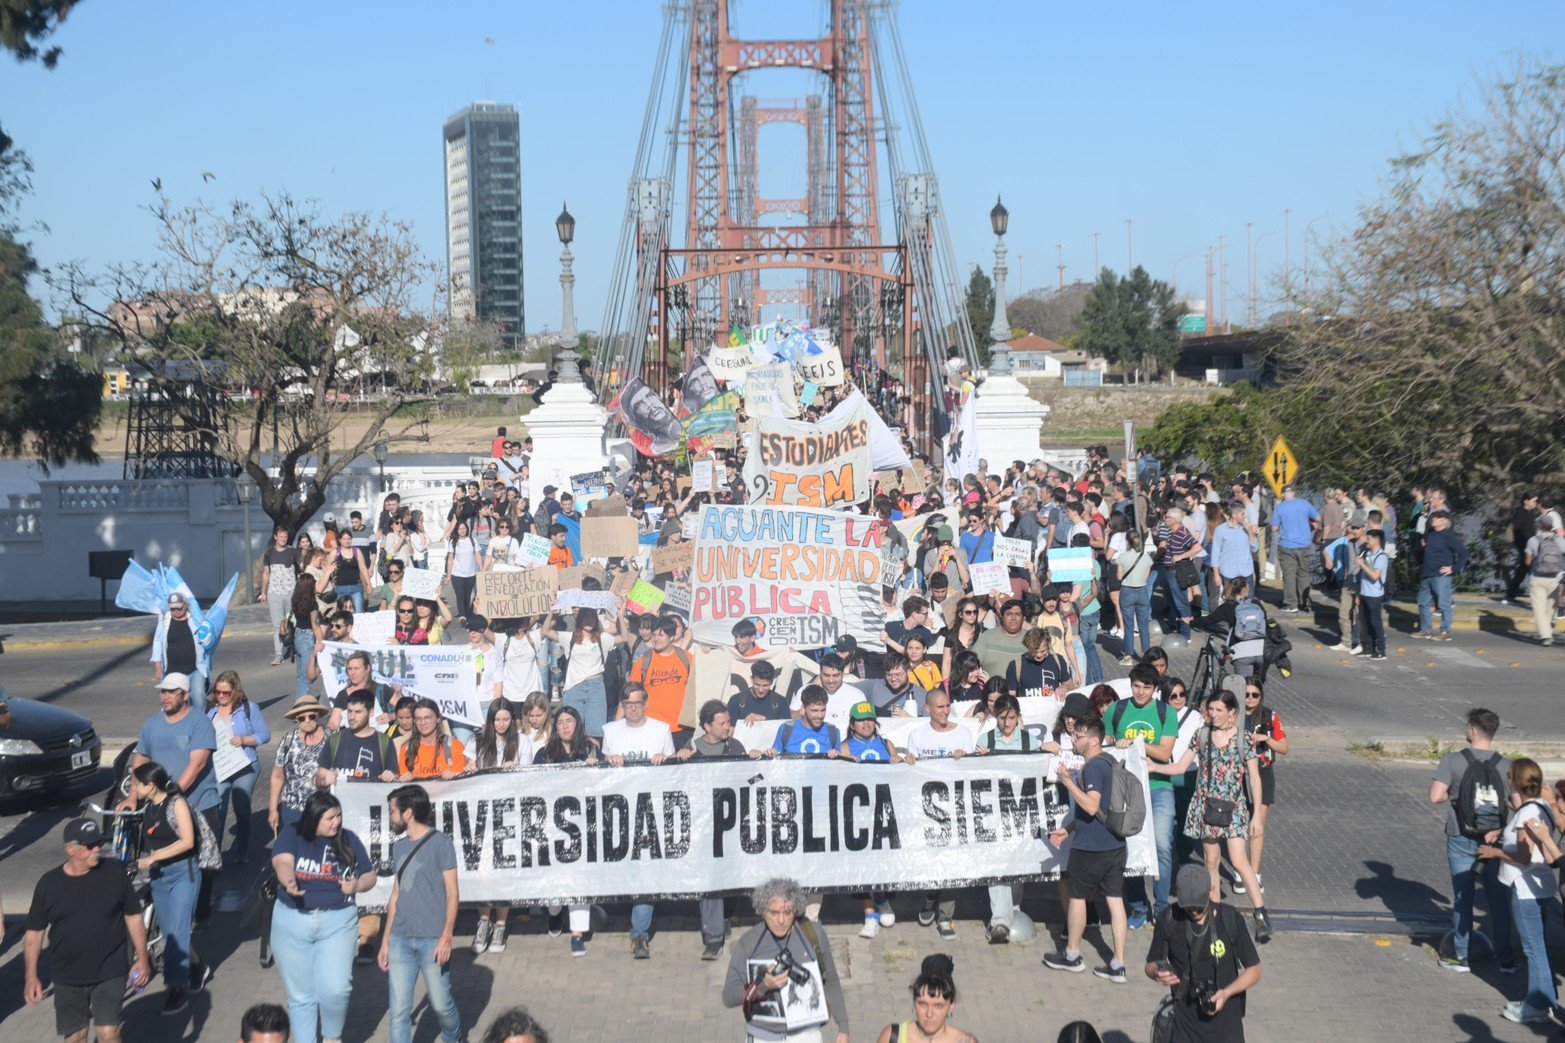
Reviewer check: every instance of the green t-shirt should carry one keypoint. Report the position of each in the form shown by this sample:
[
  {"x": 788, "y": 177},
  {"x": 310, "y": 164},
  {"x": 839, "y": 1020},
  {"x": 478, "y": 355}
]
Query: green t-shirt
[
  {"x": 1147, "y": 723},
  {"x": 996, "y": 649}
]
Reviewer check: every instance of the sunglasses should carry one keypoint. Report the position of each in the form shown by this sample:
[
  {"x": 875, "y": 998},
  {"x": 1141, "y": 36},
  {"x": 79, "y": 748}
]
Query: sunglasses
[
  {"x": 308, "y": 717},
  {"x": 222, "y": 691},
  {"x": 1250, "y": 693},
  {"x": 404, "y": 611}
]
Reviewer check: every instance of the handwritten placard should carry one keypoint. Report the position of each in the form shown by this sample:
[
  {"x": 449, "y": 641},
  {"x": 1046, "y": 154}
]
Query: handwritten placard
[
  {"x": 609, "y": 537},
  {"x": 1011, "y": 551},
  {"x": 674, "y": 556},
  {"x": 591, "y": 486},
  {"x": 598, "y": 600},
  {"x": 677, "y": 596},
  {"x": 374, "y": 628},
  {"x": 990, "y": 577},
  {"x": 572, "y": 578},
  {"x": 533, "y": 551},
  {"x": 701, "y": 476},
  {"x": 507, "y": 595},
  {"x": 422, "y": 583},
  {"x": 729, "y": 364},
  {"x": 823, "y": 370},
  {"x": 609, "y": 507},
  {"x": 228, "y": 760},
  {"x": 644, "y": 597},
  {"x": 690, "y": 526}
]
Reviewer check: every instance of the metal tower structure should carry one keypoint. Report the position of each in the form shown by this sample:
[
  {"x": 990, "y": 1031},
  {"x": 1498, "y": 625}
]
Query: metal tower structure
[
  {"x": 889, "y": 290},
  {"x": 175, "y": 419}
]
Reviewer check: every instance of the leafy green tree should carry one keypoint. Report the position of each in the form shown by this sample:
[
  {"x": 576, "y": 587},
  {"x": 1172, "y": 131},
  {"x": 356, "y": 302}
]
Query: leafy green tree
[
  {"x": 980, "y": 307},
  {"x": 1131, "y": 321}
]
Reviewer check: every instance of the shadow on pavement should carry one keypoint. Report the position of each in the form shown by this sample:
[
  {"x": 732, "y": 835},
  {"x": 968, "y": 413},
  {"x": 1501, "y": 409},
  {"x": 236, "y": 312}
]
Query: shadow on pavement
[
  {"x": 472, "y": 983},
  {"x": 108, "y": 666},
  {"x": 1402, "y": 898}
]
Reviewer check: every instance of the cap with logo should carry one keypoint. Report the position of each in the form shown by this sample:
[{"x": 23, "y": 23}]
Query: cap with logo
[
  {"x": 862, "y": 712},
  {"x": 84, "y": 831},
  {"x": 1193, "y": 887},
  {"x": 176, "y": 598}
]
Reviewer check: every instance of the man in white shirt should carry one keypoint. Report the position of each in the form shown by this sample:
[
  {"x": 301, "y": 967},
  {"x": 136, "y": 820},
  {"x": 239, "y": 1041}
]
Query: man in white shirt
[
  {"x": 940, "y": 737},
  {"x": 840, "y": 696},
  {"x": 637, "y": 739}
]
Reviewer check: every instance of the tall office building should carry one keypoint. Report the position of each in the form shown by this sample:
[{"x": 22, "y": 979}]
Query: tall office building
[{"x": 483, "y": 145}]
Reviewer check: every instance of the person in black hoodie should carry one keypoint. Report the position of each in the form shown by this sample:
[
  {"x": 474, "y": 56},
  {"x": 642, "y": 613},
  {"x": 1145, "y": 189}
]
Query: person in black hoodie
[{"x": 1444, "y": 556}]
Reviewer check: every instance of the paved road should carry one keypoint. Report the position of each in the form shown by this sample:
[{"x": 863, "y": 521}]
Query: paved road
[{"x": 1353, "y": 848}]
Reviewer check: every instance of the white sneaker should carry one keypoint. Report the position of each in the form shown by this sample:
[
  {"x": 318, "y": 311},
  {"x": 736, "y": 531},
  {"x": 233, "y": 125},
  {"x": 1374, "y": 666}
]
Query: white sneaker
[
  {"x": 1338, "y": 647},
  {"x": 883, "y": 909},
  {"x": 1356, "y": 650},
  {"x": 871, "y": 926}
]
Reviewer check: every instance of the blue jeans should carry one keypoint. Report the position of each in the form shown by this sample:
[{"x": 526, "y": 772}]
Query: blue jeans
[
  {"x": 1089, "y": 646},
  {"x": 1434, "y": 590},
  {"x": 1528, "y": 915},
  {"x": 641, "y": 921},
  {"x": 1461, "y": 855},
  {"x": 408, "y": 958},
  {"x": 590, "y": 698},
  {"x": 1178, "y": 601},
  {"x": 174, "y": 891},
  {"x": 303, "y": 649},
  {"x": 240, "y": 789},
  {"x": 1135, "y": 604},
  {"x": 354, "y": 591},
  {"x": 314, "y": 951},
  {"x": 1163, "y": 833}
]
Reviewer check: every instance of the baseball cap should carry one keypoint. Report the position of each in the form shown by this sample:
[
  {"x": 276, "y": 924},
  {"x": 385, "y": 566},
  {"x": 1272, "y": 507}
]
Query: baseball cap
[
  {"x": 174, "y": 681},
  {"x": 176, "y": 598},
  {"x": 84, "y": 831},
  {"x": 1357, "y": 521},
  {"x": 945, "y": 534},
  {"x": 846, "y": 643},
  {"x": 1193, "y": 886},
  {"x": 862, "y": 712}
]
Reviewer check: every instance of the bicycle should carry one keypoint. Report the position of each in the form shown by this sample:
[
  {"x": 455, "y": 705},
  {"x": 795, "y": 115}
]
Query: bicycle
[
  {"x": 1208, "y": 673},
  {"x": 126, "y": 843}
]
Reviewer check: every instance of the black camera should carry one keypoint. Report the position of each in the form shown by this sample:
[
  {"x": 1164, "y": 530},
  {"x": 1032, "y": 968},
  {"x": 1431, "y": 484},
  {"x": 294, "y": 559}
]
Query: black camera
[
  {"x": 788, "y": 965},
  {"x": 1205, "y": 995}
]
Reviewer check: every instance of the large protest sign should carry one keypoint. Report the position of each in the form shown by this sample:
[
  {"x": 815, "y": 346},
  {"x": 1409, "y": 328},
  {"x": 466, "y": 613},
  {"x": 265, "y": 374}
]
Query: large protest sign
[
  {"x": 729, "y": 364},
  {"x": 806, "y": 576},
  {"x": 609, "y": 508},
  {"x": 674, "y": 556},
  {"x": 422, "y": 583},
  {"x": 1070, "y": 564},
  {"x": 507, "y": 595},
  {"x": 448, "y": 674},
  {"x": 576, "y": 833},
  {"x": 609, "y": 537},
  {"x": 644, "y": 597},
  {"x": 812, "y": 465},
  {"x": 591, "y": 485},
  {"x": 768, "y": 391},
  {"x": 1011, "y": 551},
  {"x": 534, "y": 551},
  {"x": 823, "y": 370}
]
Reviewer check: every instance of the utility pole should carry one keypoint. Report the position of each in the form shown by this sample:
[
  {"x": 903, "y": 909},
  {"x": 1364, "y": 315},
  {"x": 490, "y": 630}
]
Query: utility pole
[
  {"x": 1222, "y": 276},
  {"x": 1021, "y": 278},
  {"x": 1096, "y": 267},
  {"x": 1287, "y": 243},
  {"x": 1060, "y": 247},
  {"x": 1130, "y": 245},
  {"x": 1210, "y": 304}
]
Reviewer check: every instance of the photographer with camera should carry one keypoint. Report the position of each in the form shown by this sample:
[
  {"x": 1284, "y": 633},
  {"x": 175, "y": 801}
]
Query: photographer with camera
[
  {"x": 782, "y": 973},
  {"x": 1202, "y": 951}
]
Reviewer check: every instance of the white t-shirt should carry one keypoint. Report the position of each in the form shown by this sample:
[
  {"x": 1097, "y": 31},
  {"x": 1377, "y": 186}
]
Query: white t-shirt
[
  {"x": 519, "y": 654},
  {"x": 924, "y": 741},
  {"x": 491, "y": 671},
  {"x": 525, "y": 749},
  {"x": 1536, "y": 881},
  {"x": 838, "y": 704},
  {"x": 637, "y": 744},
  {"x": 1195, "y": 521},
  {"x": 586, "y": 660},
  {"x": 502, "y": 549}
]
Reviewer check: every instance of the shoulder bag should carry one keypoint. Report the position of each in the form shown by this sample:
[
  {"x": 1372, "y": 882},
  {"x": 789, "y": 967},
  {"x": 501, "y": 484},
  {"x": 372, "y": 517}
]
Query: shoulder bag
[{"x": 1217, "y": 813}]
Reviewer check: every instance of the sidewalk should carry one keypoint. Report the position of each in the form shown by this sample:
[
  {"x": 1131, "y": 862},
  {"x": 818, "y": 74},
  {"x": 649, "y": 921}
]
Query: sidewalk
[{"x": 107, "y": 631}]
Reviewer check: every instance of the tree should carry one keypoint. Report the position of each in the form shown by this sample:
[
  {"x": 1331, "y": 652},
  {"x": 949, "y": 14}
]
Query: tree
[
  {"x": 980, "y": 308},
  {"x": 49, "y": 406},
  {"x": 1132, "y": 322},
  {"x": 1050, "y": 313},
  {"x": 1438, "y": 350},
  {"x": 297, "y": 315}
]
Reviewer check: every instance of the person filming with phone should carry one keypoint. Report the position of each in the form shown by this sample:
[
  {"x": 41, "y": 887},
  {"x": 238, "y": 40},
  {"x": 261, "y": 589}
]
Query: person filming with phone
[{"x": 1203, "y": 952}]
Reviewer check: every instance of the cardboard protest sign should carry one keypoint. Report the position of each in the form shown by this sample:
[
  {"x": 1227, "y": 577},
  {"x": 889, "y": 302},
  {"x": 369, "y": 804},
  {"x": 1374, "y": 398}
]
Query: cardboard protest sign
[
  {"x": 608, "y": 507},
  {"x": 729, "y": 364},
  {"x": 677, "y": 596},
  {"x": 623, "y": 582},
  {"x": 571, "y": 578},
  {"x": 823, "y": 370},
  {"x": 809, "y": 575},
  {"x": 375, "y": 628},
  {"x": 674, "y": 556},
  {"x": 768, "y": 391},
  {"x": 644, "y": 597},
  {"x": 812, "y": 465},
  {"x": 1070, "y": 564},
  {"x": 990, "y": 577},
  {"x": 1010, "y": 551},
  {"x": 534, "y": 551},
  {"x": 609, "y": 537},
  {"x": 725, "y": 440},
  {"x": 422, "y": 583},
  {"x": 701, "y": 476},
  {"x": 507, "y": 595}
]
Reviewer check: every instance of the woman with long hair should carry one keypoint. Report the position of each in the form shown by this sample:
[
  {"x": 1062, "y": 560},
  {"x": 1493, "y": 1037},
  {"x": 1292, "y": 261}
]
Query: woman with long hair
[
  {"x": 171, "y": 843},
  {"x": 418, "y": 541},
  {"x": 462, "y": 565},
  {"x": 1525, "y": 870},
  {"x": 1134, "y": 565},
  {"x": 499, "y": 746},
  {"x": 242, "y": 726},
  {"x": 1219, "y": 816},
  {"x": 350, "y": 573},
  {"x": 535, "y": 719},
  {"x": 428, "y": 752},
  {"x": 569, "y": 743},
  {"x": 320, "y": 866},
  {"x": 922, "y": 670},
  {"x": 1266, "y": 732},
  {"x": 963, "y": 635},
  {"x": 966, "y": 680},
  {"x": 307, "y": 629},
  {"x": 281, "y": 567},
  {"x": 586, "y": 660}
]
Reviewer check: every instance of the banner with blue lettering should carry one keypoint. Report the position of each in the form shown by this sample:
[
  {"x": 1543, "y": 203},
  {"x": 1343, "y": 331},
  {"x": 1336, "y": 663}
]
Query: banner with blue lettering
[
  {"x": 805, "y": 576},
  {"x": 579, "y": 833},
  {"x": 448, "y": 674}
]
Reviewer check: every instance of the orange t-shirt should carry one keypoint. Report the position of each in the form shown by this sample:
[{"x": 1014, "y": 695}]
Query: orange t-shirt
[
  {"x": 665, "y": 677},
  {"x": 432, "y": 760},
  {"x": 561, "y": 557}
]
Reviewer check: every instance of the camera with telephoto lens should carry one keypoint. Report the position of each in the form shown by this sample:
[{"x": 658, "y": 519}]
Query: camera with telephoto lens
[
  {"x": 1205, "y": 995},
  {"x": 786, "y": 964}
]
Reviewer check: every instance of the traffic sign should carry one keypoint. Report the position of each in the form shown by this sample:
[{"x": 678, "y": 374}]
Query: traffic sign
[
  {"x": 1281, "y": 466},
  {"x": 1192, "y": 324}
]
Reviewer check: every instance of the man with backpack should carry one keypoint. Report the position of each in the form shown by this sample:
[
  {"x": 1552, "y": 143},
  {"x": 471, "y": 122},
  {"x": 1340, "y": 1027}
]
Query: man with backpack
[
  {"x": 1473, "y": 784},
  {"x": 1097, "y": 855},
  {"x": 1544, "y": 556},
  {"x": 1203, "y": 952},
  {"x": 1145, "y": 717},
  {"x": 358, "y": 750}
]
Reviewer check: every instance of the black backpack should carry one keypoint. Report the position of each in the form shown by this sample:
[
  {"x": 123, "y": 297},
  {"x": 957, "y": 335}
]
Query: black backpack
[{"x": 1481, "y": 786}]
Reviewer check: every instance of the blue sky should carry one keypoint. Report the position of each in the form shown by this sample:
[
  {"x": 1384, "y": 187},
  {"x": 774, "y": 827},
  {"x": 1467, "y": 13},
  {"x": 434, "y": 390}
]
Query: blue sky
[{"x": 1190, "y": 119}]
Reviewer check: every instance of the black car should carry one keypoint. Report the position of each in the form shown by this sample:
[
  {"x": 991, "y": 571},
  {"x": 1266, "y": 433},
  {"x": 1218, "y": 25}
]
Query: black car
[{"x": 44, "y": 748}]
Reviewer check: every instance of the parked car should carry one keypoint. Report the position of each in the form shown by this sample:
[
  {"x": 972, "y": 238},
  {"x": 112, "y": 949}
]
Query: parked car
[{"x": 43, "y": 748}]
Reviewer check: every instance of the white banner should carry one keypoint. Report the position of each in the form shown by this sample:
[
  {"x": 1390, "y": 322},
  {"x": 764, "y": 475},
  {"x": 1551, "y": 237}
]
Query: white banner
[
  {"x": 813, "y": 465},
  {"x": 448, "y": 674},
  {"x": 805, "y": 576},
  {"x": 422, "y": 583},
  {"x": 576, "y": 833},
  {"x": 823, "y": 370},
  {"x": 1011, "y": 551},
  {"x": 961, "y": 442},
  {"x": 768, "y": 391},
  {"x": 885, "y": 447}
]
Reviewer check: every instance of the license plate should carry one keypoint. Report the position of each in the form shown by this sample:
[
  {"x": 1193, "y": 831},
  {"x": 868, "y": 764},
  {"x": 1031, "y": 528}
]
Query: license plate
[{"x": 82, "y": 759}]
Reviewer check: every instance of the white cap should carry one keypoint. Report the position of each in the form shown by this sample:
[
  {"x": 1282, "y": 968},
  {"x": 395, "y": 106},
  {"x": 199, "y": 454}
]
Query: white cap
[{"x": 174, "y": 681}]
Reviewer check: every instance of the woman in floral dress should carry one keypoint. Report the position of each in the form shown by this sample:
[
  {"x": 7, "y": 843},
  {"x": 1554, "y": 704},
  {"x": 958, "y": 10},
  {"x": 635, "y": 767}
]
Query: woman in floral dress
[{"x": 1219, "y": 817}]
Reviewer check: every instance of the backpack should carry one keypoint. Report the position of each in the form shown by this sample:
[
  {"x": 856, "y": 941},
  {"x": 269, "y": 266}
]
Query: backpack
[
  {"x": 1481, "y": 785},
  {"x": 1550, "y": 559},
  {"x": 1025, "y": 734},
  {"x": 643, "y": 661},
  {"x": 780, "y": 743},
  {"x": 1249, "y": 621},
  {"x": 1124, "y": 811},
  {"x": 388, "y": 755},
  {"x": 1117, "y": 715}
]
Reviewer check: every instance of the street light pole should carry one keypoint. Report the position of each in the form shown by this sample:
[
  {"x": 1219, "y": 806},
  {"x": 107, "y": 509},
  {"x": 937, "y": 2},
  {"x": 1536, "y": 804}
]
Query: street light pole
[
  {"x": 565, "y": 227},
  {"x": 1000, "y": 328},
  {"x": 380, "y": 461},
  {"x": 1255, "y": 274},
  {"x": 1130, "y": 245},
  {"x": 244, "y": 487},
  {"x": 1096, "y": 267},
  {"x": 1060, "y": 248}
]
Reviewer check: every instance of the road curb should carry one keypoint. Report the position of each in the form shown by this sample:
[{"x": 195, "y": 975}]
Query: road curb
[{"x": 108, "y": 641}]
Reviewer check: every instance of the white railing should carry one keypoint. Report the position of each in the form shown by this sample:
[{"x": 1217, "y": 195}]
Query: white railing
[{"x": 21, "y": 524}]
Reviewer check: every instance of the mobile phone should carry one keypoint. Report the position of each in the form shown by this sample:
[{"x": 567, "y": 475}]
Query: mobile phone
[{"x": 1164, "y": 967}]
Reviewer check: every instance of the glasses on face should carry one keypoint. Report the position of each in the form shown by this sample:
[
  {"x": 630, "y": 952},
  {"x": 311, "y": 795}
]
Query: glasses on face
[
  {"x": 1177, "y": 693},
  {"x": 404, "y": 611},
  {"x": 633, "y": 702},
  {"x": 969, "y": 612},
  {"x": 223, "y": 691},
  {"x": 393, "y": 572},
  {"x": 309, "y": 717},
  {"x": 1251, "y": 693}
]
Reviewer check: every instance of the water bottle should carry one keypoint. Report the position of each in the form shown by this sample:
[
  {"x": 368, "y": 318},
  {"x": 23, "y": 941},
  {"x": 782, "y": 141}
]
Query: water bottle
[{"x": 138, "y": 984}]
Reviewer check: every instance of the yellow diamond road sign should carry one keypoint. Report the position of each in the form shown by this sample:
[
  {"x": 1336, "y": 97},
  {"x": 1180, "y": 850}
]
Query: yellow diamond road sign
[{"x": 1281, "y": 466}]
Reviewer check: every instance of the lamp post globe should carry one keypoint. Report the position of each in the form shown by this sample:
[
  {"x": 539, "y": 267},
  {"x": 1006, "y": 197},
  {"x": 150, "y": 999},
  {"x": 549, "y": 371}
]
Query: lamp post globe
[
  {"x": 565, "y": 226},
  {"x": 999, "y": 217}
]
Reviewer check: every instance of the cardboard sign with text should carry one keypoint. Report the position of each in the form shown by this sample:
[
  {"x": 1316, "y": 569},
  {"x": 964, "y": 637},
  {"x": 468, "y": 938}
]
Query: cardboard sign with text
[
  {"x": 674, "y": 556},
  {"x": 611, "y": 507},
  {"x": 623, "y": 582},
  {"x": 598, "y": 600},
  {"x": 507, "y": 595},
  {"x": 570, "y": 579},
  {"x": 823, "y": 370},
  {"x": 609, "y": 537}
]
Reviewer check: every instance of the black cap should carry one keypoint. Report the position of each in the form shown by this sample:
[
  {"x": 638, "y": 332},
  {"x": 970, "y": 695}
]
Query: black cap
[{"x": 84, "y": 831}]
